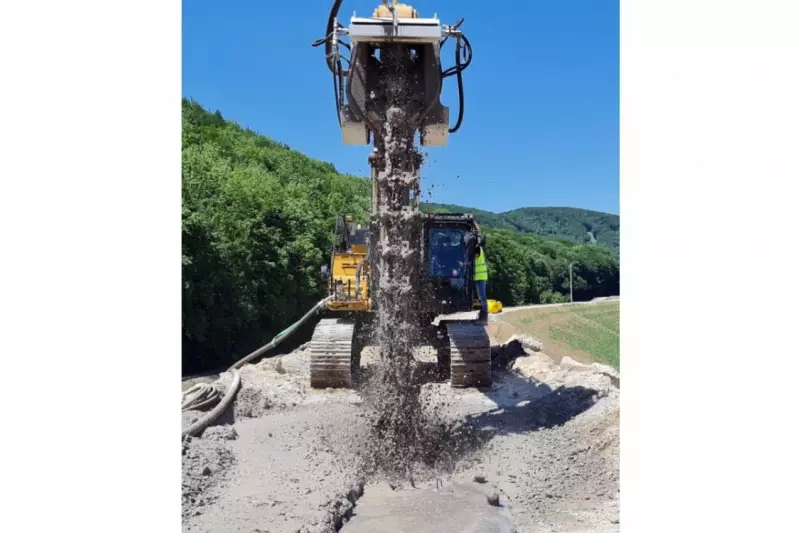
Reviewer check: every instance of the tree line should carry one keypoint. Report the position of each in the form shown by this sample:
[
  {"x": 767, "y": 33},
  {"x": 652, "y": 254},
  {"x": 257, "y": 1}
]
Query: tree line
[
  {"x": 257, "y": 221},
  {"x": 526, "y": 269}
]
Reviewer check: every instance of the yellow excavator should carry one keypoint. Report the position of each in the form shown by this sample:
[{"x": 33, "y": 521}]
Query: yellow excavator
[
  {"x": 395, "y": 47},
  {"x": 445, "y": 288}
]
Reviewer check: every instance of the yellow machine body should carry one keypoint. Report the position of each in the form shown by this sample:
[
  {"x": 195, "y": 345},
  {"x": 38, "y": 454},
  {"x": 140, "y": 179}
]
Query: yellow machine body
[
  {"x": 350, "y": 293},
  {"x": 349, "y": 279}
]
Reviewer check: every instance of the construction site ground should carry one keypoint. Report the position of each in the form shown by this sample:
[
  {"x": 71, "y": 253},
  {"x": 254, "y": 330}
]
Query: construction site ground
[{"x": 545, "y": 442}]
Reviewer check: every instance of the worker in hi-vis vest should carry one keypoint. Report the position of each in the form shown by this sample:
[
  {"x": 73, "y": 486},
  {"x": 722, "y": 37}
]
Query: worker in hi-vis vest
[{"x": 481, "y": 276}]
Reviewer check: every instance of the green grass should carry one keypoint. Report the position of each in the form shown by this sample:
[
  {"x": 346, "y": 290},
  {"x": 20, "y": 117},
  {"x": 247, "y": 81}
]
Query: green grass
[
  {"x": 588, "y": 332},
  {"x": 593, "y": 329}
]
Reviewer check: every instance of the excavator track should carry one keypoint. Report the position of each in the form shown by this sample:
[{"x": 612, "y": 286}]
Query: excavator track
[
  {"x": 470, "y": 355},
  {"x": 331, "y": 354}
]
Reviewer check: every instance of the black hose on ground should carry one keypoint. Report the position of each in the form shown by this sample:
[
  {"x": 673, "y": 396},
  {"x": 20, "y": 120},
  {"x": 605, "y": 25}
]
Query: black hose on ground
[
  {"x": 207, "y": 398},
  {"x": 282, "y": 335},
  {"x": 198, "y": 427},
  {"x": 199, "y": 397}
]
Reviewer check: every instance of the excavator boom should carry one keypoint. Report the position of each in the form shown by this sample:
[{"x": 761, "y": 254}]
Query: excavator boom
[{"x": 388, "y": 94}]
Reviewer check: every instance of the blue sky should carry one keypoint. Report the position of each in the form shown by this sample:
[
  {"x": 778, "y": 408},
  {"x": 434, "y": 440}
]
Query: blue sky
[{"x": 541, "y": 125}]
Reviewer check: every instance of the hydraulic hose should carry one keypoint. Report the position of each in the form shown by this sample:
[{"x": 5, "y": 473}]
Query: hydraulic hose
[
  {"x": 332, "y": 57},
  {"x": 202, "y": 395},
  {"x": 329, "y": 52},
  {"x": 457, "y": 70}
]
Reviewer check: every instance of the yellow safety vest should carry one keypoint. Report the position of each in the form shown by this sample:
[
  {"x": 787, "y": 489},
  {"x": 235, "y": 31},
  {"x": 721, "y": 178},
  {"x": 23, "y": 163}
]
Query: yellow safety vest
[{"x": 481, "y": 273}]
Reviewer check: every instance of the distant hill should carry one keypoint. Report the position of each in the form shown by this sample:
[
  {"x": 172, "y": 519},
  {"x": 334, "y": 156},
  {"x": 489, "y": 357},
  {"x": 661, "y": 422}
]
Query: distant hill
[{"x": 568, "y": 223}]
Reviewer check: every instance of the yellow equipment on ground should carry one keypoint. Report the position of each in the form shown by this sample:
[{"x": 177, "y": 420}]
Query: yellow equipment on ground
[{"x": 494, "y": 306}]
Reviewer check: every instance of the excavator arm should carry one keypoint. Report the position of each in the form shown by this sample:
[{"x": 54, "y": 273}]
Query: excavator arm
[{"x": 387, "y": 82}]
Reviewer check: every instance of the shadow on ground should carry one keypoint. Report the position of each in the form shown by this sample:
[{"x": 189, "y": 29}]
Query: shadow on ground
[
  {"x": 556, "y": 408},
  {"x": 525, "y": 404}
]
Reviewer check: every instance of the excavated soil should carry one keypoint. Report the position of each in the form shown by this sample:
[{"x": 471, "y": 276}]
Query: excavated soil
[{"x": 286, "y": 458}]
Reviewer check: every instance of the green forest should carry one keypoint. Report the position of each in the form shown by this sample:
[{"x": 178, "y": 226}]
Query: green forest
[{"x": 257, "y": 219}]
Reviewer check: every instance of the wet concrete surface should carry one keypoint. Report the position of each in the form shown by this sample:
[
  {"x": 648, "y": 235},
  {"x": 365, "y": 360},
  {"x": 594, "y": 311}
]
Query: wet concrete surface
[{"x": 457, "y": 507}]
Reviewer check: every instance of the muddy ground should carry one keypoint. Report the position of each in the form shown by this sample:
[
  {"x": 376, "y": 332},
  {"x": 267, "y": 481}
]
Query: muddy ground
[{"x": 543, "y": 441}]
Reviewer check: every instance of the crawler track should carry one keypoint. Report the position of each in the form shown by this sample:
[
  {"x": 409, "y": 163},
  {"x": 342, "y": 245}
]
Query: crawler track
[
  {"x": 470, "y": 355},
  {"x": 331, "y": 354}
]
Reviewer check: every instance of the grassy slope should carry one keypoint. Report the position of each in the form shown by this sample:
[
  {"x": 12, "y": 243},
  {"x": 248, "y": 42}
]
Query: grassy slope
[
  {"x": 586, "y": 333},
  {"x": 575, "y": 225}
]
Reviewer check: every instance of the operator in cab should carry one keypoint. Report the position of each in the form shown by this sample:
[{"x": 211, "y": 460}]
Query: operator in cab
[{"x": 481, "y": 277}]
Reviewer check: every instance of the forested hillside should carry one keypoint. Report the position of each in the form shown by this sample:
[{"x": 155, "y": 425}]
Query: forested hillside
[
  {"x": 576, "y": 225},
  {"x": 257, "y": 219}
]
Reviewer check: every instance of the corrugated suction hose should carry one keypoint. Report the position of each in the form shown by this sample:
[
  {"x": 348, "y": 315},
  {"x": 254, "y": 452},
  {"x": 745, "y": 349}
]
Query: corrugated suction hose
[{"x": 204, "y": 395}]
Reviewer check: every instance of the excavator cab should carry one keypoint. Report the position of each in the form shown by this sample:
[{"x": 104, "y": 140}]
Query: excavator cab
[{"x": 449, "y": 260}]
